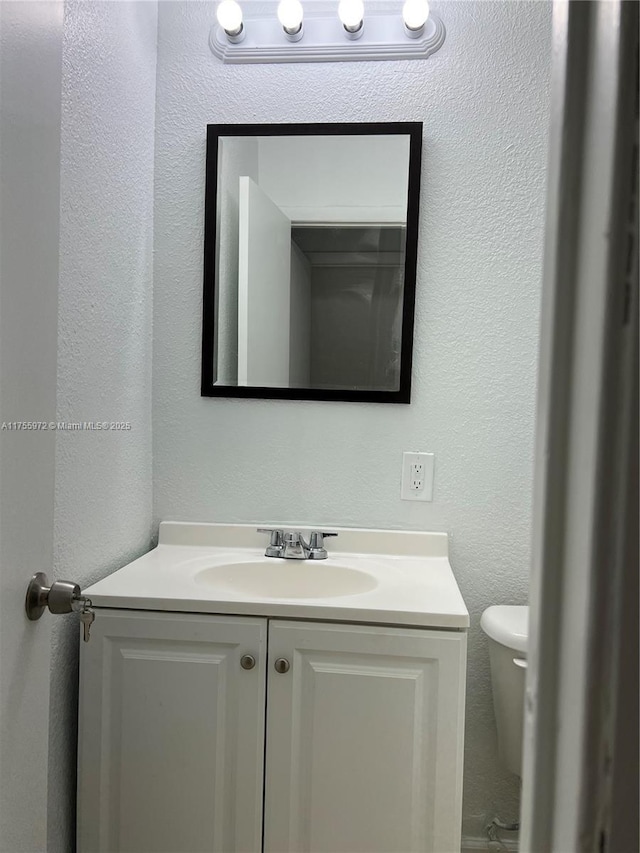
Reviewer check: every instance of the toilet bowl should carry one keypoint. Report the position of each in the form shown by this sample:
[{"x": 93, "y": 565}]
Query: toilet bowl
[{"x": 506, "y": 626}]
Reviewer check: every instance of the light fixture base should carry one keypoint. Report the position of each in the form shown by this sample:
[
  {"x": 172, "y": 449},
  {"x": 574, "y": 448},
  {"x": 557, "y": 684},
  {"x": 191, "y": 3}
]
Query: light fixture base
[
  {"x": 236, "y": 38},
  {"x": 384, "y": 38},
  {"x": 352, "y": 34},
  {"x": 294, "y": 35},
  {"x": 414, "y": 33}
]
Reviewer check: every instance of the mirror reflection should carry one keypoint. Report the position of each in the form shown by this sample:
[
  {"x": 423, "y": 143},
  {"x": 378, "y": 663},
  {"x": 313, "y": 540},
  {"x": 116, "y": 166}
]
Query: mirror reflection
[{"x": 310, "y": 262}]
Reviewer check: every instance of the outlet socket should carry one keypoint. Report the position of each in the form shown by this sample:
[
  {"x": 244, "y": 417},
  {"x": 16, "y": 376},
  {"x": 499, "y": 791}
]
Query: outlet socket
[{"x": 417, "y": 476}]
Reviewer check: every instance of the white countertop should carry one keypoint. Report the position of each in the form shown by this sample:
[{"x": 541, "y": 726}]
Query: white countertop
[{"x": 411, "y": 581}]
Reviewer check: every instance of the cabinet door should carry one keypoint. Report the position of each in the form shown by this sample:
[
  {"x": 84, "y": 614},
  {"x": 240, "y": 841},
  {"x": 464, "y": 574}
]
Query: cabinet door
[
  {"x": 171, "y": 734},
  {"x": 364, "y": 740}
]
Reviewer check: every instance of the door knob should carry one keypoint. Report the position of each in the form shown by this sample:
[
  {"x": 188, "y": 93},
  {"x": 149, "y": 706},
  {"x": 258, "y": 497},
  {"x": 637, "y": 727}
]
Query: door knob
[
  {"x": 60, "y": 597},
  {"x": 247, "y": 661},
  {"x": 282, "y": 665}
]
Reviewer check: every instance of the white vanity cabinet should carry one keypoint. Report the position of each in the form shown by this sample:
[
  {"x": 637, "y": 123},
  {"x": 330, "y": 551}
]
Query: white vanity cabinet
[
  {"x": 362, "y": 738},
  {"x": 171, "y": 734}
]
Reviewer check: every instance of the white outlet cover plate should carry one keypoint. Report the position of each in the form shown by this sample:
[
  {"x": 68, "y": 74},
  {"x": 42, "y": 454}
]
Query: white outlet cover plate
[{"x": 410, "y": 458}]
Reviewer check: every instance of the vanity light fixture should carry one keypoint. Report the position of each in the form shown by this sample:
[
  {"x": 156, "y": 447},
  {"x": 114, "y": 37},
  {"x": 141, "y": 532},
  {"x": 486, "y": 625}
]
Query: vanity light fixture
[
  {"x": 395, "y": 29},
  {"x": 414, "y": 15},
  {"x": 290, "y": 15},
  {"x": 351, "y": 13},
  {"x": 229, "y": 15}
]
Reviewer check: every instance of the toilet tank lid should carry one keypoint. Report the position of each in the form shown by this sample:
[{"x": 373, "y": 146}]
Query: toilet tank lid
[{"x": 507, "y": 624}]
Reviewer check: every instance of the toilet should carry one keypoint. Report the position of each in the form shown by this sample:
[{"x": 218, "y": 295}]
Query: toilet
[{"x": 506, "y": 626}]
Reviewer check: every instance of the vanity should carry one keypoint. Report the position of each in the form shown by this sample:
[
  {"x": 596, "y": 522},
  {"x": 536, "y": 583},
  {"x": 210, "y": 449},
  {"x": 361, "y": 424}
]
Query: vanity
[{"x": 231, "y": 701}]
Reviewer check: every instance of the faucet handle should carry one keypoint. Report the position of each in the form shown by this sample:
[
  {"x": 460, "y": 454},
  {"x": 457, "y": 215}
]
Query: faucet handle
[
  {"x": 274, "y": 548},
  {"x": 275, "y": 533},
  {"x": 317, "y": 550},
  {"x": 317, "y": 537}
]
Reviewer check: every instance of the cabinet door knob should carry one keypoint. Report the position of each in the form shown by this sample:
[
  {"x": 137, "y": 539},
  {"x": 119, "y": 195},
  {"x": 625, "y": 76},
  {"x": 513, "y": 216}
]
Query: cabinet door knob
[
  {"x": 282, "y": 665},
  {"x": 247, "y": 661}
]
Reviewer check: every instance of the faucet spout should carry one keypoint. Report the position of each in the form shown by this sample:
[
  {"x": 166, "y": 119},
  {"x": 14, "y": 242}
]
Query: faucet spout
[{"x": 294, "y": 547}]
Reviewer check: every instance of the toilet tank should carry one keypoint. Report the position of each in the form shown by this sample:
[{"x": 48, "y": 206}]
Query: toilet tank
[{"x": 506, "y": 627}]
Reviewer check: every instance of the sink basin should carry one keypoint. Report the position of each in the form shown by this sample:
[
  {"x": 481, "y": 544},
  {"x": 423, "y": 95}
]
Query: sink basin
[
  {"x": 287, "y": 579},
  {"x": 388, "y": 577}
]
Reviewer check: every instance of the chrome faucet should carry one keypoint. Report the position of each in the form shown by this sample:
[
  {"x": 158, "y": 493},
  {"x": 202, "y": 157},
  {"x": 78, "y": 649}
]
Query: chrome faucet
[{"x": 292, "y": 545}]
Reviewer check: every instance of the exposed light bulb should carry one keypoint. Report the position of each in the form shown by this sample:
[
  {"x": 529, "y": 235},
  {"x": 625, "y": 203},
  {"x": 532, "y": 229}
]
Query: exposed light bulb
[
  {"x": 351, "y": 13},
  {"x": 229, "y": 15},
  {"x": 290, "y": 16},
  {"x": 415, "y": 14}
]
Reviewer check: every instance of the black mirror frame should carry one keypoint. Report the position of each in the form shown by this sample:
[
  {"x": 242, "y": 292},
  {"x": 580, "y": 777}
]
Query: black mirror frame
[{"x": 214, "y": 132}]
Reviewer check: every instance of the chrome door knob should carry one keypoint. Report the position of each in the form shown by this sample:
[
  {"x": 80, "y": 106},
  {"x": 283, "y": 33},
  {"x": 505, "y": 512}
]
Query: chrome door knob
[
  {"x": 58, "y": 597},
  {"x": 282, "y": 665},
  {"x": 247, "y": 661}
]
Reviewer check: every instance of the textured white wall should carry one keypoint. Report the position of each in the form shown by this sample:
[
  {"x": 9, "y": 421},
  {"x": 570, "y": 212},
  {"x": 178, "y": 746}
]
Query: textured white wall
[
  {"x": 483, "y": 99},
  {"x": 103, "y": 479},
  {"x": 30, "y": 70}
]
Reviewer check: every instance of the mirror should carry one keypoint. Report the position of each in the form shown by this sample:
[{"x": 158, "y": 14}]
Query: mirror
[{"x": 310, "y": 261}]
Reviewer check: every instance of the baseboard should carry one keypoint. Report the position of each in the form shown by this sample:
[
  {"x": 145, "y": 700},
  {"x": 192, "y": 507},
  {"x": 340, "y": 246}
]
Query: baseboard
[{"x": 473, "y": 845}]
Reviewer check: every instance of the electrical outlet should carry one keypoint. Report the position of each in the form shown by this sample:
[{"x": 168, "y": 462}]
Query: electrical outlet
[{"x": 417, "y": 476}]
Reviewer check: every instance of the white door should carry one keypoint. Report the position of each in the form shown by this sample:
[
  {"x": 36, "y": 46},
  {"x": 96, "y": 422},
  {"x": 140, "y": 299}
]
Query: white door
[
  {"x": 171, "y": 734},
  {"x": 31, "y": 51},
  {"x": 264, "y": 289},
  {"x": 578, "y": 734},
  {"x": 364, "y": 740}
]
